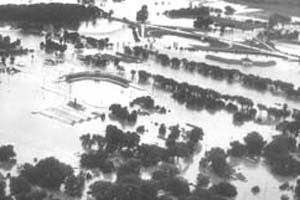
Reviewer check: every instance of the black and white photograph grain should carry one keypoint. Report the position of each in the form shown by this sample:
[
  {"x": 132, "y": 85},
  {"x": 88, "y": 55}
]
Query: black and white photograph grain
[{"x": 149, "y": 100}]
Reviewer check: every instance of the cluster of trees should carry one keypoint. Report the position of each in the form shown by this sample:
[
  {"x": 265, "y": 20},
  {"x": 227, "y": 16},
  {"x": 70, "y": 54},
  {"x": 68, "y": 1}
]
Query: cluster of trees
[
  {"x": 289, "y": 127},
  {"x": 97, "y": 43},
  {"x": 164, "y": 184},
  {"x": 202, "y": 11},
  {"x": 201, "y": 14},
  {"x": 7, "y": 44},
  {"x": 10, "y": 48},
  {"x": 98, "y": 61},
  {"x": 147, "y": 103},
  {"x": 99, "y": 150},
  {"x": 203, "y": 22},
  {"x": 50, "y": 45},
  {"x": 194, "y": 12},
  {"x": 216, "y": 158},
  {"x": 79, "y": 40},
  {"x": 203, "y": 18},
  {"x": 53, "y": 13},
  {"x": 181, "y": 145},
  {"x": 49, "y": 173},
  {"x": 279, "y": 153},
  {"x": 252, "y": 147},
  {"x": 278, "y": 19},
  {"x": 282, "y": 35},
  {"x": 195, "y": 97},
  {"x": 122, "y": 114},
  {"x": 229, "y": 10},
  {"x": 33, "y": 181},
  {"x": 230, "y": 75}
]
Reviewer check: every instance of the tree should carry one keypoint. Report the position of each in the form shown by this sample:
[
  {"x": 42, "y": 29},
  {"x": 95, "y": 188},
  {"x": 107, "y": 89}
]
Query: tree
[
  {"x": 93, "y": 160},
  {"x": 165, "y": 170},
  {"x": 129, "y": 187},
  {"x": 108, "y": 167},
  {"x": 132, "y": 140},
  {"x": 201, "y": 193},
  {"x": 229, "y": 10},
  {"x": 114, "y": 138},
  {"x": 224, "y": 189},
  {"x": 203, "y": 22},
  {"x": 2, "y": 189},
  {"x": 278, "y": 147},
  {"x": 49, "y": 173},
  {"x": 132, "y": 166},
  {"x": 19, "y": 185},
  {"x": 195, "y": 135},
  {"x": 179, "y": 150},
  {"x": 74, "y": 185},
  {"x": 176, "y": 186},
  {"x": 202, "y": 180},
  {"x": 36, "y": 194},
  {"x": 7, "y": 153},
  {"x": 162, "y": 131},
  {"x": 151, "y": 155},
  {"x": 237, "y": 149},
  {"x": 86, "y": 141},
  {"x": 101, "y": 190},
  {"x": 255, "y": 190},
  {"x": 142, "y": 15},
  {"x": 174, "y": 132},
  {"x": 148, "y": 190},
  {"x": 217, "y": 158},
  {"x": 254, "y": 143},
  {"x": 277, "y": 18},
  {"x": 297, "y": 189}
]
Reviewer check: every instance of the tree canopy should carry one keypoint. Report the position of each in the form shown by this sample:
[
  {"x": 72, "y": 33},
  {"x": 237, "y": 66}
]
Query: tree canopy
[{"x": 48, "y": 173}]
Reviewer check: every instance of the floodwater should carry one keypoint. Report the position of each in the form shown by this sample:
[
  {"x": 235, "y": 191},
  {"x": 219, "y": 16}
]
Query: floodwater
[{"x": 36, "y": 89}]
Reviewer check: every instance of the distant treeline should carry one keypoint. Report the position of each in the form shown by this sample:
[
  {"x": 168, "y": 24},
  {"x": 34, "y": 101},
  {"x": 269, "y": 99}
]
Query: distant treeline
[{"x": 48, "y": 13}]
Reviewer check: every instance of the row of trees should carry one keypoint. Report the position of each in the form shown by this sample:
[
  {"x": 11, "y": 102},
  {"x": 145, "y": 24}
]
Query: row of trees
[
  {"x": 79, "y": 40},
  {"x": 194, "y": 12},
  {"x": 218, "y": 73},
  {"x": 195, "y": 97}
]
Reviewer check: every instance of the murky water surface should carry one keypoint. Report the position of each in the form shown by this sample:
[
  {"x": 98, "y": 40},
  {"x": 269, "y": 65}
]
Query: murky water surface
[{"x": 36, "y": 89}]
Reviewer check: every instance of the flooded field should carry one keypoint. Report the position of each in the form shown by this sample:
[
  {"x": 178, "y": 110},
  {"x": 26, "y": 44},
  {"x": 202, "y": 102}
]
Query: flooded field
[{"x": 35, "y": 117}]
